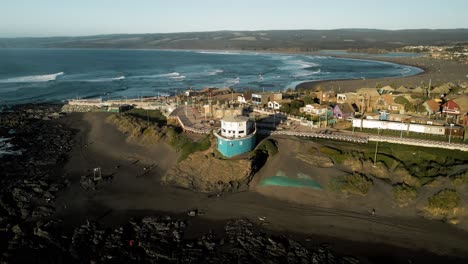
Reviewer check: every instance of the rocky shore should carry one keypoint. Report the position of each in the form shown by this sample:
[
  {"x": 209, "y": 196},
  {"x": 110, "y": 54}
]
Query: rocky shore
[{"x": 31, "y": 233}]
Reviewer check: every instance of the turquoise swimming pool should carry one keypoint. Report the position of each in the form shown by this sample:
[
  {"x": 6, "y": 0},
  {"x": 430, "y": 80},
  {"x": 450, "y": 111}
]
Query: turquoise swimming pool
[{"x": 290, "y": 182}]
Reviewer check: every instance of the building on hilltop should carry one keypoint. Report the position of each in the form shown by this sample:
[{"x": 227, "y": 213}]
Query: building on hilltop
[{"x": 236, "y": 136}]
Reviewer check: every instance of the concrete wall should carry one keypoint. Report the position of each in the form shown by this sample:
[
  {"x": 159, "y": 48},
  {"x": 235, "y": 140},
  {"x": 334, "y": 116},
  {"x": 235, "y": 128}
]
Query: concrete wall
[
  {"x": 418, "y": 128},
  {"x": 233, "y": 147}
]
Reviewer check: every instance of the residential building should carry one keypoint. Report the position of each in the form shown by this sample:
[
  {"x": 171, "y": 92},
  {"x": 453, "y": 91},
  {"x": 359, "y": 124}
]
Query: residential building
[
  {"x": 432, "y": 106},
  {"x": 262, "y": 99},
  {"x": 343, "y": 111},
  {"x": 314, "y": 109}
]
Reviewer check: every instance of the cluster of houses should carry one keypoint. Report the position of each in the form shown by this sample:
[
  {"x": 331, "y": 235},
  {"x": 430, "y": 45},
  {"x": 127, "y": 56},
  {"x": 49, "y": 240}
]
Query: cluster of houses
[{"x": 385, "y": 105}]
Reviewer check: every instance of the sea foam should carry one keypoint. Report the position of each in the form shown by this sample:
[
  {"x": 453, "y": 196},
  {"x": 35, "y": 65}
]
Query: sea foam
[{"x": 33, "y": 78}]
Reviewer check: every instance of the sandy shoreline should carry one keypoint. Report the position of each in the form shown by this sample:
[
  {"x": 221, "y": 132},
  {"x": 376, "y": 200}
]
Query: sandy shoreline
[
  {"x": 349, "y": 229},
  {"x": 436, "y": 71}
]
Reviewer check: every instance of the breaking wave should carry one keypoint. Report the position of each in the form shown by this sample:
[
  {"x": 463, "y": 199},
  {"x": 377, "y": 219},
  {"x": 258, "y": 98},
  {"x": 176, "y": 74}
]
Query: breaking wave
[
  {"x": 220, "y": 52},
  {"x": 33, "y": 78},
  {"x": 105, "y": 79},
  {"x": 305, "y": 73},
  {"x": 214, "y": 72}
]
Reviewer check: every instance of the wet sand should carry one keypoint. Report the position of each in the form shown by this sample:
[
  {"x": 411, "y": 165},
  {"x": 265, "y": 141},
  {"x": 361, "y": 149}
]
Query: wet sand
[
  {"x": 436, "y": 71},
  {"x": 347, "y": 225}
]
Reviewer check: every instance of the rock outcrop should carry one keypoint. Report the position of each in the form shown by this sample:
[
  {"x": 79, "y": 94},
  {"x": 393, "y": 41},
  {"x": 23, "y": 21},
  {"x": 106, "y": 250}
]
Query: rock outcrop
[{"x": 207, "y": 173}]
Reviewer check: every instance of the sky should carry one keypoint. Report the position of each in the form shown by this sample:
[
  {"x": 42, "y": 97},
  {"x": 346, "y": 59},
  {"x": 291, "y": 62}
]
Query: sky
[{"x": 41, "y": 18}]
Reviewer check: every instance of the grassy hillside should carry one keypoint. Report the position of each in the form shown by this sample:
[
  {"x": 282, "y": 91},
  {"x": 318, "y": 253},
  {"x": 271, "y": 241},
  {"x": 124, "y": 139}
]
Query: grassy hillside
[{"x": 293, "y": 40}]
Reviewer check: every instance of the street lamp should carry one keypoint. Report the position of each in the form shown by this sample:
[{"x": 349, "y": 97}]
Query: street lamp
[
  {"x": 401, "y": 129},
  {"x": 450, "y": 134},
  {"x": 376, "y": 147}
]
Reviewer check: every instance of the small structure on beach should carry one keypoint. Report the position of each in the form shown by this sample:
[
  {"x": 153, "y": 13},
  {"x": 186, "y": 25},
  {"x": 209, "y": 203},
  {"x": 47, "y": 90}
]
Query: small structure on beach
[{"x": 236, "y": 136}]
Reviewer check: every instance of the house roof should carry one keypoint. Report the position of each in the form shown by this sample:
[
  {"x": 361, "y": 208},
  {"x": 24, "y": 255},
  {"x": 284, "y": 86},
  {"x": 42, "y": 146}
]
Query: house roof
[
  {"x": 451, "y": 104},
  {"x": 387, "y": 99},
  {"x": 402, "y": 89},
  {"x": 418, "y": 89},
  {"x": 369, "y": 91},
  {"x": 235, "y": 119},
  {"x": 433, "y": 104},
  {"x": 346, "y": 108}
]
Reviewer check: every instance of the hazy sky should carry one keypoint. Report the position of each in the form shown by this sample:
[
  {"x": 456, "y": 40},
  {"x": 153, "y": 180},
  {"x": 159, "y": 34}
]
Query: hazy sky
[{"x": 19, "y": 18}]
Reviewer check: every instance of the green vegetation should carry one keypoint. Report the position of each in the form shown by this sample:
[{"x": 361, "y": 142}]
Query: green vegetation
[
  {"x": 404, "y": 194},
  {"x": 185, "y": 145},
  {"x": 336, "y": 154},
  {"x": 352, "y": 183},
  {"x": 460, "y": 179},
  {"x": 424, "y": 164},
  {"x": 441, "y": 203},
  {"x": 260, "y": 154},
  {"x": 268, "y": 145},
  {"x": 292, "y": 108},
  {"x": 153, "y": 116}
]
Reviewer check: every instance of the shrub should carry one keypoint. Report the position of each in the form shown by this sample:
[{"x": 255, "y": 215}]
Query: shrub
[
  {"x": 441, "y": 203},
  {"x": 352, "y": 183},
  {"x": 335, "y": 154},
  {"x": 404, "y": 194},
  {"x": 269, "y": 146}
]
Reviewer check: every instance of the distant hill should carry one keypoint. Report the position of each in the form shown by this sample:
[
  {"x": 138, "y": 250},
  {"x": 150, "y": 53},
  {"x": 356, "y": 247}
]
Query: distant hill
[{"x": 299, "y": 40}]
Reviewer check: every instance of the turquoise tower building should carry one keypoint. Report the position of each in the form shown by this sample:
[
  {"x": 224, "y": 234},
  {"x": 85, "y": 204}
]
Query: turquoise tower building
[{"x": 236, "y": 136}]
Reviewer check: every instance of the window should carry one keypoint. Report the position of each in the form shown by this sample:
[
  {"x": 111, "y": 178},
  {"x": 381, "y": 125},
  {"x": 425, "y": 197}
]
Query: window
[
  {"x": 224, "y": 130},
  {"x": 241, "y": 132}
]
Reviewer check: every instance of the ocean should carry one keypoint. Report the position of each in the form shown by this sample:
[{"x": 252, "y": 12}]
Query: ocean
[{"x": 54, "y": 75}]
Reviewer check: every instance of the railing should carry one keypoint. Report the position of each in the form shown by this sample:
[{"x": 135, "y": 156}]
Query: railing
[
  {"x": 419, "y": 142},
  {"x": 339, "y": 137}
]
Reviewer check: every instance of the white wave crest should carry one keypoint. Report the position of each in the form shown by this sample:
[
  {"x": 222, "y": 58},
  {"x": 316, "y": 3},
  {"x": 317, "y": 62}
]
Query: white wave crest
[
  {"x": 179, "y": 77},
  {"x": 214, "y": 72},
  {"x": 118, "y": 78},
  {"x": 220, "y": 52},
  {"x": 172, "y": 74},
  {"x": 105, "y": 79},
  {"x": 305, "y": 73},
  {"x": 33, "y": 78}
]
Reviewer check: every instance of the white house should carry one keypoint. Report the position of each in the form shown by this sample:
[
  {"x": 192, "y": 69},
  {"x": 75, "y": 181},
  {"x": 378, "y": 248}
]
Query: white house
[
  {"x": 274, "y": 105},
  {"x": 315, "y": 109}
]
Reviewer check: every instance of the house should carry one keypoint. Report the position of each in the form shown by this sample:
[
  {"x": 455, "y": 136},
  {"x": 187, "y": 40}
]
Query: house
[
  {"x": 451, "y": 108},
  {"x": 432, "y": 106},
  {"x": 262, "y": 99},
  {"x": 342, "y": 98},
  {"x": 244, "y": 98},
  {"x": 315, "y": 109},
  {"x": 386, "y": 90},
  {"x": 386, "y": 102},
  {"x": 274, "y": 105},
  {"x": 327, "y": 96},
  {"x": 342, "y": 111}
]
